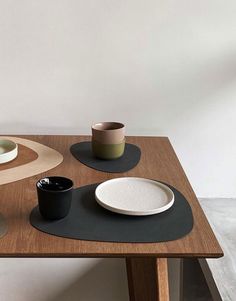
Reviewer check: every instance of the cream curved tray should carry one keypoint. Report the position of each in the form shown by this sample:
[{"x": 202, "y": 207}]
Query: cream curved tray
[{"x": 48, "y": 158}]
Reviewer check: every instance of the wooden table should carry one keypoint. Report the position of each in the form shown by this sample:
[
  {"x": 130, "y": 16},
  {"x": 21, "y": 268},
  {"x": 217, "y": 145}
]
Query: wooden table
[{"x": 146, "y": 262}]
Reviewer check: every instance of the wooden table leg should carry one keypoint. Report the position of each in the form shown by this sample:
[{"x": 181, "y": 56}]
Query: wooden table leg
[{"x": 148, "y": 279}]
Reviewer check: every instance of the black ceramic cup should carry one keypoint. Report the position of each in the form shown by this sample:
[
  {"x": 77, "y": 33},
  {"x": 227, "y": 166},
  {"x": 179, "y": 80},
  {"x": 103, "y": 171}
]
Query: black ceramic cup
[{"x": 54, "y": 197}]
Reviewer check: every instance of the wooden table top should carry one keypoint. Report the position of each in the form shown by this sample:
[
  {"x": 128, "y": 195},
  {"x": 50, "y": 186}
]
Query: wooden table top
[{"x": 158, "y": 161}]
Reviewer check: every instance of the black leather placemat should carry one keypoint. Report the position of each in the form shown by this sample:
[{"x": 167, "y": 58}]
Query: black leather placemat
[
  {"x": 83, "y": 152},
  {"x": 89, "y": 221}
]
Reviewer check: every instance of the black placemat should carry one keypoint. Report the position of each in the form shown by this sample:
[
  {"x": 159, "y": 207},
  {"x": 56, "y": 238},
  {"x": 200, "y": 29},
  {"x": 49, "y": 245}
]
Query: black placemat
[
  {"x": 89, "y": 221},
  {"x": 83, "y": 152}
]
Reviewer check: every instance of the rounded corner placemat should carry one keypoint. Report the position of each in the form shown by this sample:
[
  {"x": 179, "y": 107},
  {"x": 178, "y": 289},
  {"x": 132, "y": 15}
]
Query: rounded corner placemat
[
  {"x": 89, "y": 221},
  {"x": 83, "y": 152}
]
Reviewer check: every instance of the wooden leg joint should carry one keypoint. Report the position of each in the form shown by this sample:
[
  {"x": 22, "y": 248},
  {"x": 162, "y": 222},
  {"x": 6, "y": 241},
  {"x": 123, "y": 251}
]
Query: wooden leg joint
[{"x": 148, "y": 279}]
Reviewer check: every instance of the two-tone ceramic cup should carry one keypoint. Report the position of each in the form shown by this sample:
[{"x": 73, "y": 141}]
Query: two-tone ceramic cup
[
  {"x": 108, "y": 140},
  {"x": 54, "y": 197}
]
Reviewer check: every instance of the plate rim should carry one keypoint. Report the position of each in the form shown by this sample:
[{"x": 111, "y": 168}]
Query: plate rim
[{"x": 131, "y": 212}]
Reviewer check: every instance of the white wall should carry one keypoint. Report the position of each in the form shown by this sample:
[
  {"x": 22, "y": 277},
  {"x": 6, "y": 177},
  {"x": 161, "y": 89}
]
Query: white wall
[
  {"x": 63, "y": 280},
  {"x": 163, "y": 67}
]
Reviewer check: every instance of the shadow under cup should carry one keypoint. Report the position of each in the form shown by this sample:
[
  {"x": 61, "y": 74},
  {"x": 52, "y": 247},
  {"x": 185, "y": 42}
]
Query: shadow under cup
[
  {"x": 108, "y": 140},
  {"x": 54, "y": 197}
]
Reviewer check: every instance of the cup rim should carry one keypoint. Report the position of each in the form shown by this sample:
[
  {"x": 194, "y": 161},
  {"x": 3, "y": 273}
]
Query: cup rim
[
  {"x": 118, "y": 125},
  {"x": 39, "y": 184}
]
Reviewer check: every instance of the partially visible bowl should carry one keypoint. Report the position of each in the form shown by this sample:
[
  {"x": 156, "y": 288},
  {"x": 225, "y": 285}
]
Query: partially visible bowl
[
  {"x": 108, "y": 132},
  {"x": 8, "y": 150}
]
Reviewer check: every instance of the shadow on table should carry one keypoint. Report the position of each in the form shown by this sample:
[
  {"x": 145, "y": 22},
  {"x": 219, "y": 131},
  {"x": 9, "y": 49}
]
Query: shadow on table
[
  {"x": 195, "y": 288},
  {"x": 106, "y": 280}
]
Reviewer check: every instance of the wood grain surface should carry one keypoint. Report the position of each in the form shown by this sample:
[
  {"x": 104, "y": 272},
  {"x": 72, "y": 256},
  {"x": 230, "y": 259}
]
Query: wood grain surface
[
  {"x": 158, "y": 161},
  {"x": 162, "y": 284},
  {"x": 147, "y": 279}
]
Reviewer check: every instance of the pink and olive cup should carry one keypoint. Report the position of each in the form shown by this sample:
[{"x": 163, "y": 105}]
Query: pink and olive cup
[{"x": 108, "y": 140}]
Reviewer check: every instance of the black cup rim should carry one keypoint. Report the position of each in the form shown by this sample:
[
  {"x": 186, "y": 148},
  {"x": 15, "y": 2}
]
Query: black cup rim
[{"x": 39, "y": 185}]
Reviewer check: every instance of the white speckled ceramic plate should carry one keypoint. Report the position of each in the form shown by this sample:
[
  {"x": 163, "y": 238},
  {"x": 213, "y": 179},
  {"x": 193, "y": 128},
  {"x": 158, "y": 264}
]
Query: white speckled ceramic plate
[
  {"x": 8, "y": 150},
  {"x": 134, "y": 196}
]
